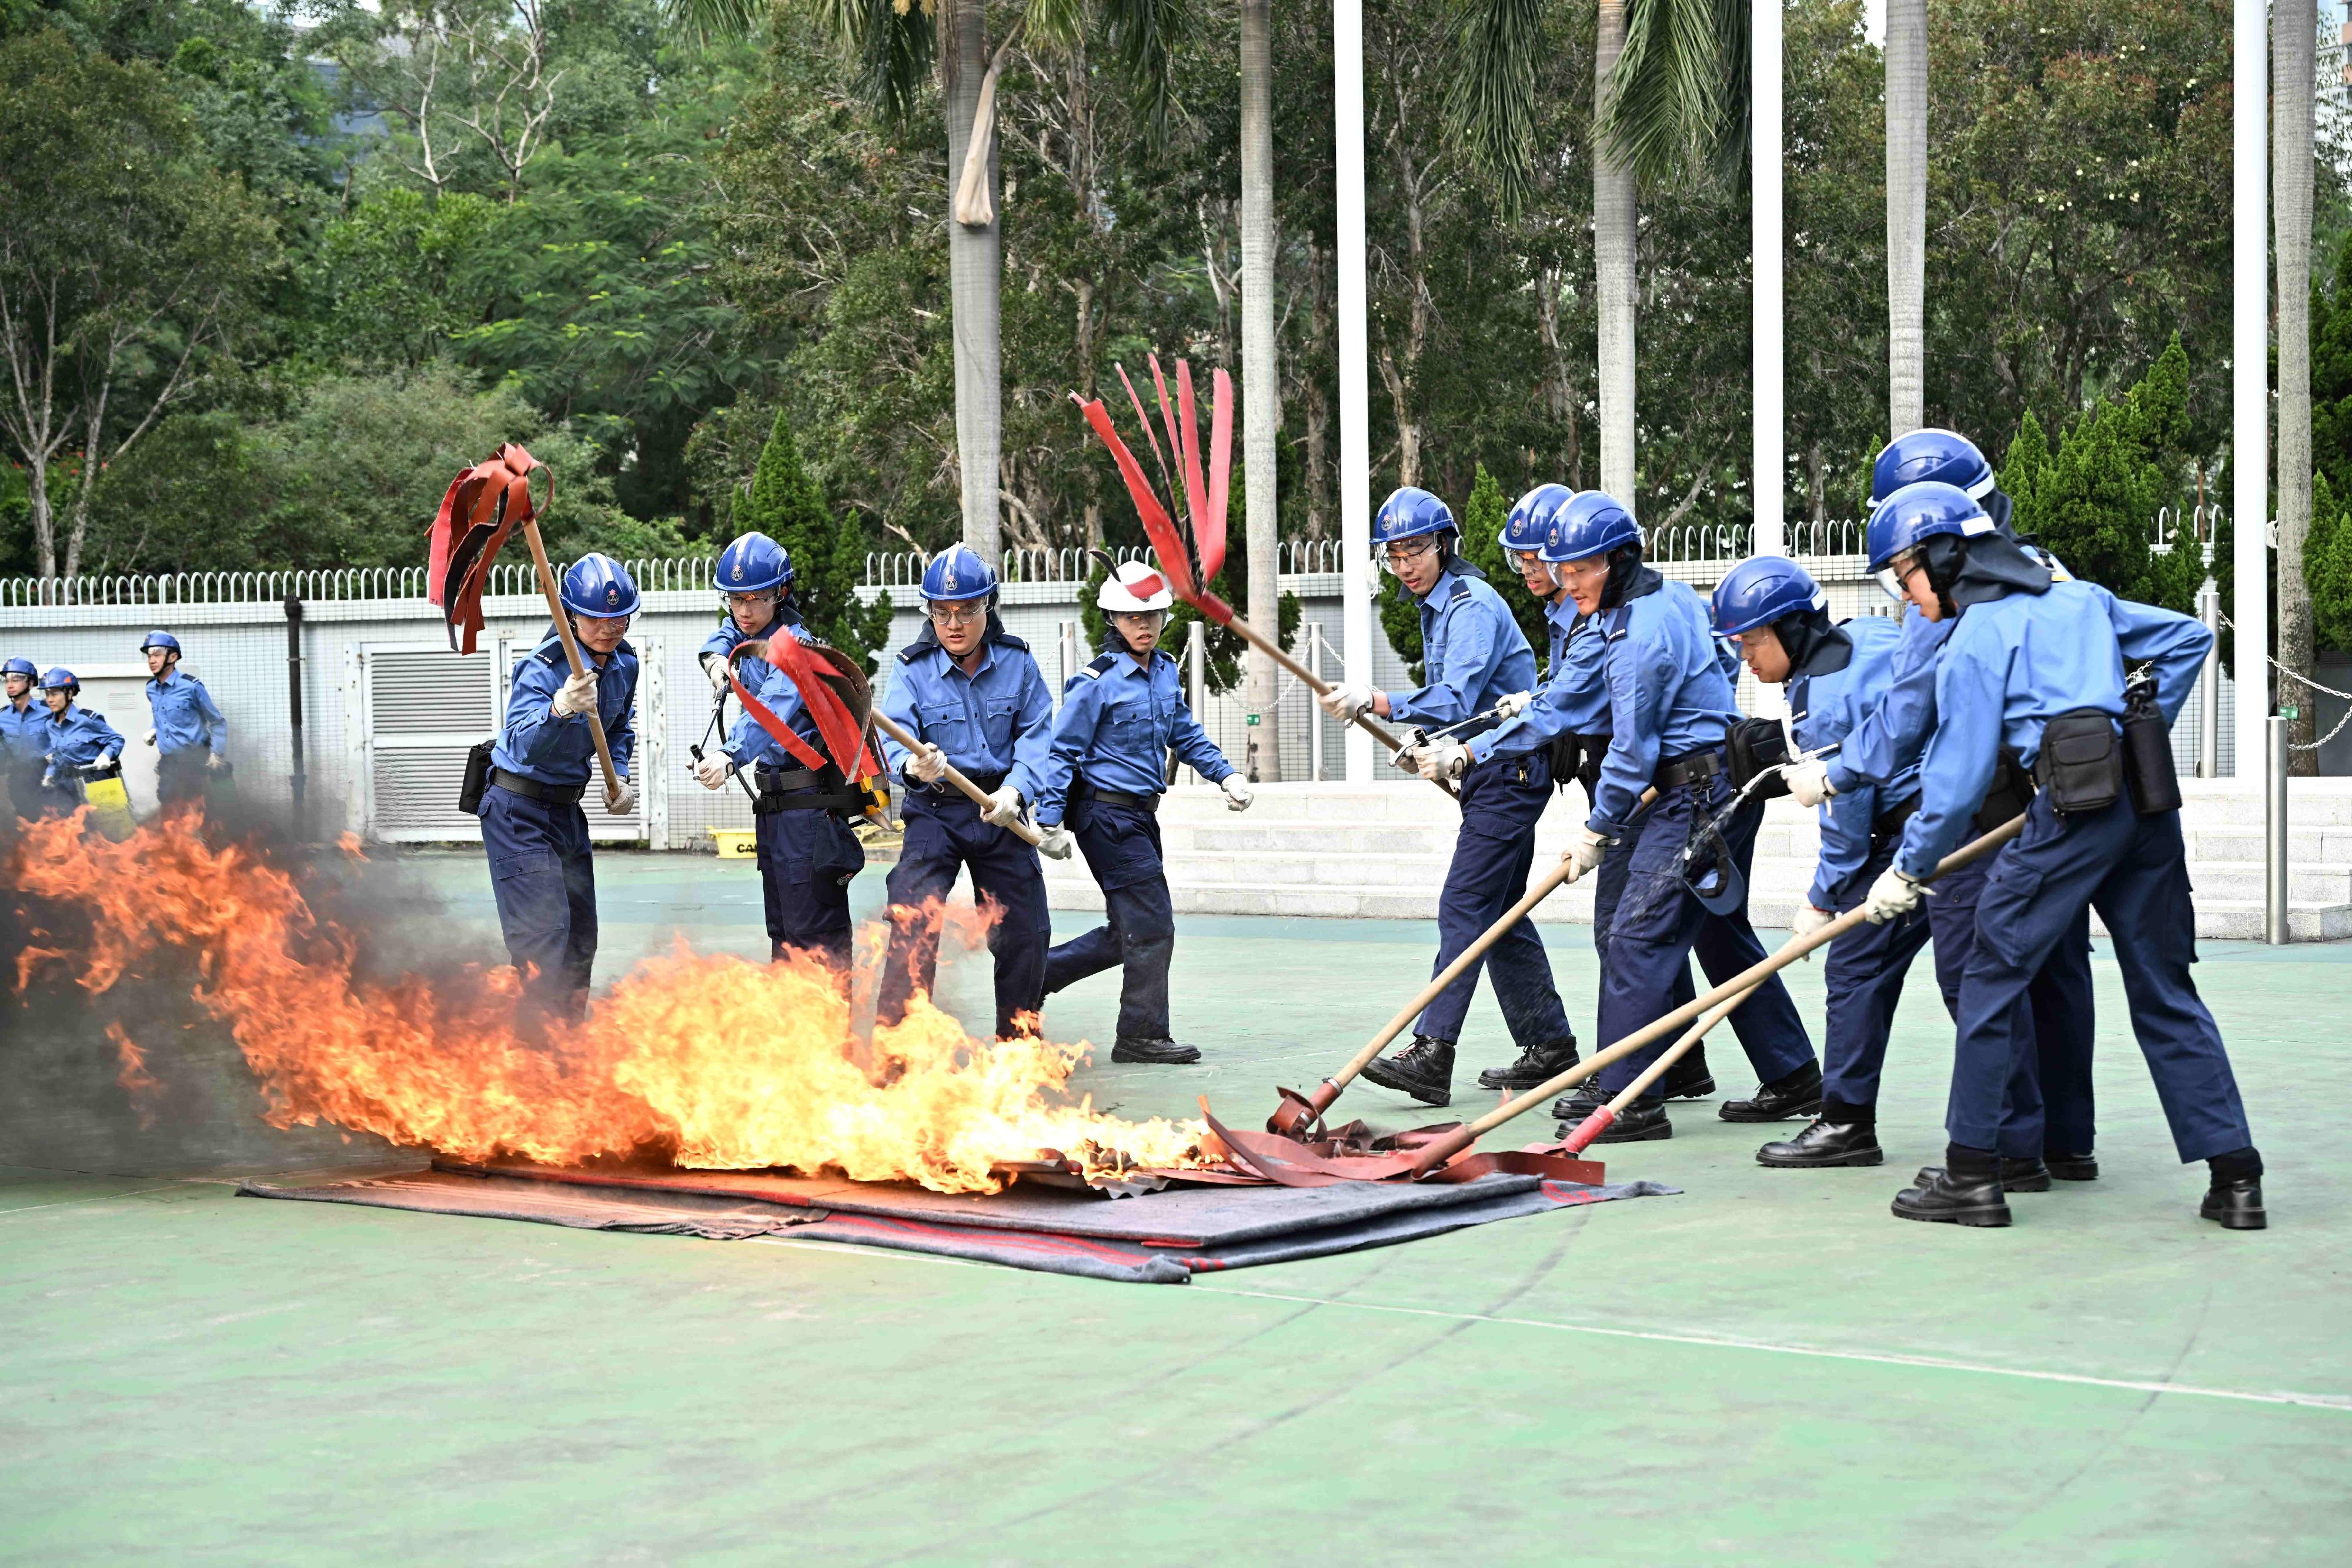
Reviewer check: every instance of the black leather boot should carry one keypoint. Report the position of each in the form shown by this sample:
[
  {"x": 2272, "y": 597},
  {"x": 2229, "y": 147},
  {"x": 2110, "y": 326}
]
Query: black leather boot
[
  {"x": 1581, "y": 1102},
  {"x": 2017, "y": 1174},
  {"x": 1424, "y": 1070},
  {"x": 2072, "y": 1167},
  {"x": 1537, "y": 1064},
  {"x": 1797, "y": 1093},
  {"x": 1688, "y": 1077},
  {"x": 1824, "y": 1144},
  {"x": 1166, "y": 1051},
  {"x": 1644, "y": 1121},
  {"x": 2235, "y": 1205},
  {"x": 1974, "y": 1198}
]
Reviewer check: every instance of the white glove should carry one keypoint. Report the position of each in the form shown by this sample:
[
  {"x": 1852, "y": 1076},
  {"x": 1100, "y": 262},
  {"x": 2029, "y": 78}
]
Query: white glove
[
  {"x": 1513, "y": 704},
  {"x": 928, "y": 763},
  {"x": 1440, "y": 760},
  {"x": 627, "y": 804},
  {"x": 1809, "y": 783},
  {"x": 1056, "y": 844},
  {"x": 578, "y": 695},
  {"x": 1890, "y": 895},
  {"x": 715, "y": 666},
  {"x": 1345, "y": 702},
  {"x": 1807, "y": 921},
  {"x": 149, "y": 737},
  {"x": 1237, "y": 794},
  {"x": 711, "y": 771},
  {"x": 1584, "y": 851},
  {"x": 216, "y": 761},
  {"x": 104, "y": 760},
  {"x": 1003, "y": 808}
]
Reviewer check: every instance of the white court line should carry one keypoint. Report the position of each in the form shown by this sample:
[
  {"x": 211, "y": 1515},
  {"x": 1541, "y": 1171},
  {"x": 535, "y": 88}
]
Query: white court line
[
  {"x": 2316, "y": 1401},
  {"x": 95, "y": 1197}
]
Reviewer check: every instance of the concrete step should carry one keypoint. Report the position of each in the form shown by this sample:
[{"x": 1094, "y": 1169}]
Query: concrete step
[{"x": 2316, "y": 885}]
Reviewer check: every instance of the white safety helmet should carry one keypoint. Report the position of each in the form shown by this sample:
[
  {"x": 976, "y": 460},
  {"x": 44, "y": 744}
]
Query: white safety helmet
[{"x": 1134, "y": 589}]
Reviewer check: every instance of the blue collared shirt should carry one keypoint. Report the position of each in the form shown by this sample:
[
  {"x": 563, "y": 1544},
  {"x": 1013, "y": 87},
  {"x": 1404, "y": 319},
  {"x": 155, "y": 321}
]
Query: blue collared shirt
[
  {"x": 1823, "y": 710},
  {"x": 559, "y": 749},
  {"x": 997, "y": 719},
  {"x": 1574, "y": 700},
  {"x": 77, "y": 737},
  {"x": 752, "y": 672},
  {"x": 1119, "y": 719},
  {"x": 23, "y": 737},
  {"x": 1668, "y": 695},
  {"x": 2013, "y": 664},
  {"x": 186, "y": 716},
  {"x": 1472, "y": 651},
  {"x": 1886, "y": 743}
]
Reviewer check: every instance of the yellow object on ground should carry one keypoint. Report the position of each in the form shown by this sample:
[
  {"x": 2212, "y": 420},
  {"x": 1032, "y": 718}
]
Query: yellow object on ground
[
  {"x": 110, "y": 807},
  {"x": 734, "y": 843}
]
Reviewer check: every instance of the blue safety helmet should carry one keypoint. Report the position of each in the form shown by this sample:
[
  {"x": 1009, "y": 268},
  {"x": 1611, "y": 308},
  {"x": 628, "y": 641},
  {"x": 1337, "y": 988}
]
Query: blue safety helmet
[
  {"x": 1761, "y": 590},
  {"x": 754, "y": 564},
  {"x": 161, "y": 639},
  {"x": 958, "y": 574},
  {"x": 19, "y": 667},
  {"x": 59, "y": 679},
  {"x": 1592, "y": 523},
  {"x": 1918, "y": 513},
  {"x": 1943, "y": 456},
  {"x": 1530, "y": 520},
  {"x": 598, "y": 586},
  {"x": 1409, "y": 514}
]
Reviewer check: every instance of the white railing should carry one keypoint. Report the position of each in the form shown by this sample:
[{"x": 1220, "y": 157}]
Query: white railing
[
  {"x": 1706, "y": 543},
  {"x": 2203, "y": 521},
  {"x": 904, "y": 568},
  {"x": 356, "y": 583}
]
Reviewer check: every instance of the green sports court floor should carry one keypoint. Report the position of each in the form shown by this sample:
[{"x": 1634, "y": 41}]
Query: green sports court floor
[{"x": 1768, "y": 1368}]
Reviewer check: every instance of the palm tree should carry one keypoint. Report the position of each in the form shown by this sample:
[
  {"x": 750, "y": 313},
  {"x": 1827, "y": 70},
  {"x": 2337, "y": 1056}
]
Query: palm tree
[
  {"x": 1907, "y": 214},
  {"x": 892, "y": 44},
  {"x": 1670, "y": 101},
  {"x": 2295, "y": 27},
  {"x": 1261, "y": 374}
]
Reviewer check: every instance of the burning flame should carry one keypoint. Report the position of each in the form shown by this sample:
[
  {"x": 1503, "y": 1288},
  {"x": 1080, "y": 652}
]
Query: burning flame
[{"x": 712, "y": 1060}]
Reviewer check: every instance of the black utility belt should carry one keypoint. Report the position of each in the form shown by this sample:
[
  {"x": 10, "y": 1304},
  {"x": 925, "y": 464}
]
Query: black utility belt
[
  {"x": 1085, "y": 792},
  {"x": 804, "y": 789},
  {"x": 532, "y": 789},
  {"x": 1691, "y": 768},
  {"x": 987, "y": 783},
  {"x": 1886, "y": 824}
]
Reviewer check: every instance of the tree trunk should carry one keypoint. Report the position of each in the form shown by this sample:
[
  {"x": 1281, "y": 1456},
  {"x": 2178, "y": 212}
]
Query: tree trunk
[
  {"x": 45, "y": 517},
  {"x": 975, "y": 270},
  {"x": 1560, "y": 383},
  {"x": 1318, "y": 417},
  {"x": 2293, "y": 47},
  {"x": 1907, "y": 214},
  {"x": 1613, "y": 241},
  {"x": 1261, "y": 382}
]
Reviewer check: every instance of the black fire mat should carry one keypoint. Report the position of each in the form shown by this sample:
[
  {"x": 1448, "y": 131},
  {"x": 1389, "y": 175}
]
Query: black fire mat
[{"x": 1160, "y": 1238}]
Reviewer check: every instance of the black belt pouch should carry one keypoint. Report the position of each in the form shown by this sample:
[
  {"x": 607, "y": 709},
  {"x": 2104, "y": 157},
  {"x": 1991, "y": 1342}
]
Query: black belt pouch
[
  {"x": 2081, "y": 766},
  {"x": 478, "y": 777}
]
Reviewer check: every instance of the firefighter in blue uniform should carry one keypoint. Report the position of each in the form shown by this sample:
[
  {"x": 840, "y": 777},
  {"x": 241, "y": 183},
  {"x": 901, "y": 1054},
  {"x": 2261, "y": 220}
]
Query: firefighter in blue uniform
[
  {"x": 800, "y": 816},
  {"x": 972, "y": 694},
  {"x": 1834, "y": 676},
  {"x": 189, "y": 734},
  {"x": 1671, "y": 706},
  {"x": 2049, "y": 1131},
  {"x": 1569, "y": 717},
  {"x": 755, "y": 587},
  {"x": 1120, "y": 716},
  {"x": 532, "y": 827},
  {"x": 77, "y": 743},
  {"x": 1475, "y": 656},
  {"x": 2039, "y": 666},
  {"x": 23, "y": 739}
]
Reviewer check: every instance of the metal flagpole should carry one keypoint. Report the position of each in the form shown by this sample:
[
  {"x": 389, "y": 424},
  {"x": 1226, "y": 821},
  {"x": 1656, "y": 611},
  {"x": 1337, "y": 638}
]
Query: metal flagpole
[{"x": 1355, "y": 399}]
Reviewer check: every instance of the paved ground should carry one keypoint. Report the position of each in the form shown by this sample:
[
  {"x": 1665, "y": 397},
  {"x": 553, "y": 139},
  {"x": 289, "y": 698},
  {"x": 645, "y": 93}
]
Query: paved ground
[{"x": 1768, "y": 1364}]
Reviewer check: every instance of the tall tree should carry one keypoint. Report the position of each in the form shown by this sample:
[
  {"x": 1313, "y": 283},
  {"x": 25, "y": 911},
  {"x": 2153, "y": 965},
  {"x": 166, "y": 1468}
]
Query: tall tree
[
  {"x": 1261, "y": 376},
  {"x": 2294, "y": 28},
  {"x": 1907, "y": 214}
]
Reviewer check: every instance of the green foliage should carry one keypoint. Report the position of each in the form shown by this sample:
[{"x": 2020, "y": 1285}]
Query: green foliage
[
  {"x": 827, "y": 551},
  {"x": 399, "y": 279},
  {"x": 2327, "y": 565},
  {"x": 1482, "y": 541},
  {"x": 1401, "y": 619}
]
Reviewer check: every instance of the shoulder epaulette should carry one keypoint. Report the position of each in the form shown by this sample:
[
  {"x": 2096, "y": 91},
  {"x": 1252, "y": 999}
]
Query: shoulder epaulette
[
  {"x": 1101, "y": 665},
  {"x": 1008, "y": 640},
  {"x": 1460, "y": 589},
  {"x": 1614, "y": 621}
]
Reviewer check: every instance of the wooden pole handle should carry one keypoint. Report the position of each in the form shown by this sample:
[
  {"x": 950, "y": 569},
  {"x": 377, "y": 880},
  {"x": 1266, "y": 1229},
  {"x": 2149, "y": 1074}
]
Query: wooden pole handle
[
  {"x": 979, "y": 797},
  {"x": 572, "y": 655}
]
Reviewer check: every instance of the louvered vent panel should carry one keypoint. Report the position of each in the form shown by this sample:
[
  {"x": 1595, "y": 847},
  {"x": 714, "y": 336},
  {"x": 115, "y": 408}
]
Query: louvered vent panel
[
  {"x": 429, "y": 692},
  {"x": 417, "y": 794}
]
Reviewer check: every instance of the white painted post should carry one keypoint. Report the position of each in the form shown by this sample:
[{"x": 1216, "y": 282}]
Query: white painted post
[
  {"x": 1766, "y": 367},
  {"x": 1314, "y": 709},
  {"x": 2249, "y": 273},
  {"x": 1355, "y": 397}
]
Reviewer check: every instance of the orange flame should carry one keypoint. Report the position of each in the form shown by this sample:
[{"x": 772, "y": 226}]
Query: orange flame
[{"x": 712, "y": 1060}]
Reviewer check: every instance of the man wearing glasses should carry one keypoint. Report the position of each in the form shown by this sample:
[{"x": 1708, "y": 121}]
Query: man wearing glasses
[
  {"x": 971, "y": 695},
  {"x": 755, "y": 584},
  {"x": 1476, "y": 658}
]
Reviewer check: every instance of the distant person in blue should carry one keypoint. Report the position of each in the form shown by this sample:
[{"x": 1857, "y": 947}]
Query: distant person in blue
[
  {"x": 1671, "y": 708},
  {"x": 1480, "y": 671},
  {"x": 970, "y": 694},
  {"x": 755, "y": 586},
  {"x": 2039, "y": 666},
  {"x": 23, "y": 739},
  {"x": 1835, "y": 676},
  {"x": 190, "y": 736},
  {"x": 1121, "y": 715},
  {"x": 532, "y": 826},
  {"x": 79, "y": 744}
]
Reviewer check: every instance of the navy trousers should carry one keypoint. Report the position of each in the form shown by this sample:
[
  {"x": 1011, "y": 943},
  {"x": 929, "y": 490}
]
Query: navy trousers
[
  {"x": 180, "y": 775},
  {"x": 806, "y": 861},
  {"x": 1660, "y": 923},
  {"x": 944, "y": 834},
  {"x": 545, "y": 884},
  {"x": 1121, "y": 844},
  {"x": 1501, "y": 801},
  {"x": 1863, "y": 977},
  {"x": 1608, "y": 891},
  {"x": 2132, "y": 870},
  {"x": 26, "y": 798},
  {"x": 2050, "y": 1106}
]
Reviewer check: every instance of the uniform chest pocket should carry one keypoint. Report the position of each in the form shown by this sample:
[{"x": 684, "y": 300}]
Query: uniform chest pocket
[
  {"x": 1131, "y": 721},
  {"x": 998, "y": 716}
]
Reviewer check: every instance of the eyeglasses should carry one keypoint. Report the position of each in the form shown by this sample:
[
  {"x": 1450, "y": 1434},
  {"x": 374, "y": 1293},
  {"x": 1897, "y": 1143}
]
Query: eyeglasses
[
  {"x": 1527, "y": 560},
  {"x": 750, "y": 600},
  {"x": 1890, "y": 576},
  {"x": 1398, "y": 555},
  {"x": 958, "y": 614}
]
